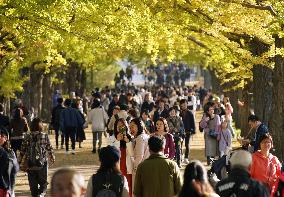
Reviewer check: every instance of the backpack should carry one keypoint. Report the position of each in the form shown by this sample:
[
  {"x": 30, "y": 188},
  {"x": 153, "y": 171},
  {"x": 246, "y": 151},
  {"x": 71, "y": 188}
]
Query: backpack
[
  {"x": 36, "y": 153},
  {"x": 107, "y": 185}
]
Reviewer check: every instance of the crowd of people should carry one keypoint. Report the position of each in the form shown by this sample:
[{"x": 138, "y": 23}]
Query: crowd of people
[{"x": 149, "y": 131}]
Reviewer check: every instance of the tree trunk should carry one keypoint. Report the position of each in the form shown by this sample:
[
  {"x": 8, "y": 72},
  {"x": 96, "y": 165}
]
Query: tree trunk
[
  {"x": 262, "y": 97},
  {"x": 277, "y": 117},
  {"x": 36, "y": 79},
  {"x": 46, "y": 98}
]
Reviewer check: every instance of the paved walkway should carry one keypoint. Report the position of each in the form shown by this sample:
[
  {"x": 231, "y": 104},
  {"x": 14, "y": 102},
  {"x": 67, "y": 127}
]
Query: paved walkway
[{"x": 87, "y": 163}]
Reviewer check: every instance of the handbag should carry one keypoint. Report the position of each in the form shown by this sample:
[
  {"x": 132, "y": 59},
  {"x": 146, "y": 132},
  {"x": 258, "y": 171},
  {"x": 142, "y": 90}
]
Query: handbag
[{"x": 213, "y": 134}]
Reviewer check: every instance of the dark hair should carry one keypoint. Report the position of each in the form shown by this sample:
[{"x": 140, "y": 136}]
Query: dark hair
[
  {"x": 164, "y": 121},
  {"x": 207, "y": 106},
  {"x": 96, "y": 103},
  {"x": 115, "y": 131},
  {"x": 18, "y": 114},
  {"x": 1, "y": 107},
  {"x": 253, "y": 118},
  {"x": 132, "y": 112},
  {"x": 68, "y": 102},
  {"x": 36, "y": 125},
  {"x": 182, "y": 101},
  {"x": 265, "y": 136},
  {"x": 140, "y": 125},
  {"x": 144, "y": 111},
  {"x": 156, "y": 143},
  {"x": 109, "y": 156},
  {"x": 194, "y": 171},
  {"x": 60, "y": 100},
  {"x": 124, "y": 107}
]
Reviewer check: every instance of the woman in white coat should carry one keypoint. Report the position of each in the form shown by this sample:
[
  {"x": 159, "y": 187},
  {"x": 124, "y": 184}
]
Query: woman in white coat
[
  {"x": 139, "y": 146},
  {"x": 98, "y": 118},
  {"x": 121, "y": 140}
]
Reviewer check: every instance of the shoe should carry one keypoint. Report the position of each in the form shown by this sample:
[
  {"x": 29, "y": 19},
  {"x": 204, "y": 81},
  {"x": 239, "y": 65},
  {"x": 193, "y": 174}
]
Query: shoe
[
  {"x": 186, "y": 161},
  {"x": 56, "y": 147},
  {"x": 61, "y": 147},
  {"x": 94, "y": 151},
  {"x": 73, "y": 152},
  {"x": 67, "y": 152}
]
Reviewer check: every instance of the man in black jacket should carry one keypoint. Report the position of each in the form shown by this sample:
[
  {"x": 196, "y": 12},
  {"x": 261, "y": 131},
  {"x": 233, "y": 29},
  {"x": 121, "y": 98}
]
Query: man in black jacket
[
  {"x": 239, "y": 183},
  {"x": 55, "y": 121},
  {"x": 189, "y": 126}
]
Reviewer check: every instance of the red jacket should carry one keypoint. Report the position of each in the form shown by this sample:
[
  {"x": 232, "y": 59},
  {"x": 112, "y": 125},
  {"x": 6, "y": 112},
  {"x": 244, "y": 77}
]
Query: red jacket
[{"x": 266, "y": 170}]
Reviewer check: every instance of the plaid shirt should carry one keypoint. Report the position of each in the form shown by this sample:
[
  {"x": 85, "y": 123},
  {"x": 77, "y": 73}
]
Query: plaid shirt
[{"x": 44, "y": 143}]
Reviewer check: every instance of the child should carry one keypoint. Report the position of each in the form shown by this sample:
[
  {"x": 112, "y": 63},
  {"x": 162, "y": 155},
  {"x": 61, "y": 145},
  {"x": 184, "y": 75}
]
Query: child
[
  {"x": 225, "y": 139},
  {"x": 67, "y": 182}
]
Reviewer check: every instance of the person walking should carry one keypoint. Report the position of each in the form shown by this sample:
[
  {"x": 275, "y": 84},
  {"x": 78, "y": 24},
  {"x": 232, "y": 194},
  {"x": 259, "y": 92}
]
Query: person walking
[
  {"x": 189, "y": 127},
  {"x": 157, "y": 175},
  {"x": 108, "y": 176},
  {"x": 139, "y": 145},
  {"x": 55, "y": 121},
  {"x": 70, "y": 121},
  {"x": 162, "y": 129},
  {"x": 239, "y": 183},
  {"x": 121, "y": 140},
  {"x": 39, "y": 153},
  {"x": 98, "y": 118},
  {"x": 176, "y": 128},
  {"x": 210, "y": 123},
  {"x": 8, "y": 165},
  {"x": 19, "y": 127}
]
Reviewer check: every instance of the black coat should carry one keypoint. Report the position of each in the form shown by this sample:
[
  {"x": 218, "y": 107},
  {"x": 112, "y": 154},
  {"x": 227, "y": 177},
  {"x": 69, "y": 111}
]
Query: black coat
[
  {"x": 147, "y": 106},
  {"x": 188, "y": 121},
  {"x": 240, "y": 184}
]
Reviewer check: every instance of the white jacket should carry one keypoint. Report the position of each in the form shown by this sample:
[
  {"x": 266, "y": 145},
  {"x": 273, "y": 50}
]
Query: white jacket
[
  {"x": 139, "y": 149},
  {"x": 114, "y": 142},
  {"x": 98, "y": 117}
]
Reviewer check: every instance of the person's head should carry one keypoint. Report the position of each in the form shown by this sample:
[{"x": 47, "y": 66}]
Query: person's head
[
  {"x": 96, "y": 103},
  {"x": 209, "y": 110},
  {"x": 1, "y": 108},
  {"x": 161, "y": 104},
  {"x": 115, "y": 98},
  {"x": 266, "y": 142},
  {"x": 147, "y": 97},
  {"x": 109, "y": 157},
  {"x": 183, "y": 104},
  {"x": 18, "y": 113},
  {"x": 224, "y": 124},
  {"x": 145, "y": 115},
  {"x": 253, "y": 121},
  {"x": 136, "y": 127},
  {"x": 162, "y": 125},
  {"x": 66, "y": 182},
  {"x": 241, "y": 159},
  {"x": 195, "y": 180},
  {"x": 121, "y": 125},
  {"x": 173, "y": 111},
  {"x": 115, "y": 110},
  {"x": 129, "y": 96},
  {"x": 36, "y": 125},
  {"x": 156, "y": 144},
  {"x": 4, "y": 137},
  {"x": 60, "y": 100},
  {"x": 68, "y": 102}
]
